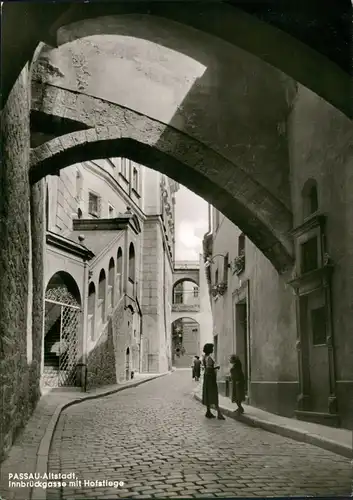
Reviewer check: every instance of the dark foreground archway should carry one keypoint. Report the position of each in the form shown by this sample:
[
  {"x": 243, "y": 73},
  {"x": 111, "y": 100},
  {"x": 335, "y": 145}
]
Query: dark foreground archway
[{"x": 304, "y": 62}]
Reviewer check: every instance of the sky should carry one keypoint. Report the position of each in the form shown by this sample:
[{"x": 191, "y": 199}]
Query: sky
[{"x": 191, "y": 219}]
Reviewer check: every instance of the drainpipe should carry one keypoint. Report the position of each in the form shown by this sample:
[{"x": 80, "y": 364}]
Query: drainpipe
[
  {"x": 85, "y": 327},
  {"x": 141, "y": 337},
  {"x": 141, "y": 323},
  {"x": 164, "y": 300}
]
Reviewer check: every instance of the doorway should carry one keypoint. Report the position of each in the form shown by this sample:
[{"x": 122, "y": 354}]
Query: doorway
[
  {"x": 241, "y": 338},
  {"x": 63, "y": 321},
  {"x": 315, "y": 355}
]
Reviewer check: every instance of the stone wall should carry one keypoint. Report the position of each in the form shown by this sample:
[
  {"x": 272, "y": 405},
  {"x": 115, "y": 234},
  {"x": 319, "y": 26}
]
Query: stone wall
[
  {"x": 122, "y": 324},
  {"x": 151, "y": 282},
  {"x": 101, "y": 360},
  {"x": 66, "y": 204},
  {"x": 38, "y": 253},
  {"x": 19, "y": 389},
  {"x": 106, "y": 362}
]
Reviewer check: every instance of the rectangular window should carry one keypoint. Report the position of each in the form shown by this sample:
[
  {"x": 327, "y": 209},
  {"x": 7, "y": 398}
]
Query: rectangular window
[
  {"x": 318, "y": 325},
  {"x": 196, "y": 291},
  {"x": 216, "y": 277},
  {"x": 309, "y": 257},
  {"x": 93, "y": 204}
]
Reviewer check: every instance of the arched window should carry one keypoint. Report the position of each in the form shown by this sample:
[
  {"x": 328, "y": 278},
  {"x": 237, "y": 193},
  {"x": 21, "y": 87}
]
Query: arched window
[
  {"x": 119, "y": 270},
  {"x": 111, "y": 279},
  {"x": 91, "y": 309},
  {"x": 186, "y": 292},
  {"x": 102, "y": 295},
  {"x": 310, "y": 198},
  {"x": 241, "y": 244},
  {"x": 132, "y": 263},
  {"x": 178, "y": 293},
  {"x": 127, "y": 364}
]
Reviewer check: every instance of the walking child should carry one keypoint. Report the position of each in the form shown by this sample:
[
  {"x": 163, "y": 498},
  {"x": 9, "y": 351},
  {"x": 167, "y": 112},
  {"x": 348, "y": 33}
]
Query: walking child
[
  {"x": 196, "y": 368},
  {"x": 238, "y": 382}
]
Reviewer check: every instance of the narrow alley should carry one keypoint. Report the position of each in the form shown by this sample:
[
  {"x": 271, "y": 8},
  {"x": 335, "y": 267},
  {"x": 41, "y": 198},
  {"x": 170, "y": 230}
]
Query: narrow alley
[{"x": 156, "y": 441}]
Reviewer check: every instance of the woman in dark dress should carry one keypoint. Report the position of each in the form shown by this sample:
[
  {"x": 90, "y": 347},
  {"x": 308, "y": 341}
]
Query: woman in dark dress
[
  {"x": 210, "y": 389},
  {"x": 238, "y": 382}
]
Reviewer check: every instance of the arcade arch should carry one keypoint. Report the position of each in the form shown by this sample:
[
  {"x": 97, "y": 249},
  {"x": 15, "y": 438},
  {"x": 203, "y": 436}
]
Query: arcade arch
[
  {"x": 62, "y": 327},
  {"x": 111, "y": 281},
  {"x": 102, "y": 297}
]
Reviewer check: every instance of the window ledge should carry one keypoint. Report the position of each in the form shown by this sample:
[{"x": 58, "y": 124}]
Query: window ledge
[
  {"x": 123, "y": 177},
  {"x": 316, "y": 277},
  {"x": 315, "y": 220},
  {"x": 136, "y": 193}
]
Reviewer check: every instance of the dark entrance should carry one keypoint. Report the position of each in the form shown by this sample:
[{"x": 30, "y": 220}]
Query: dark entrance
[{"x": 241, "y": 333}]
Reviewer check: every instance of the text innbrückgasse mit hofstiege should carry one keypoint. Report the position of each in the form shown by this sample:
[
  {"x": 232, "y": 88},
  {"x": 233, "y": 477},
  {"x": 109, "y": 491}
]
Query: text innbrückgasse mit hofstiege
[{"x": 58, "y": 480}]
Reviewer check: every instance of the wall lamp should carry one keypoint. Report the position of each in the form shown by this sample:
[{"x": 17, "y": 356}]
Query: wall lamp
[{"x": 210, "y": 260}]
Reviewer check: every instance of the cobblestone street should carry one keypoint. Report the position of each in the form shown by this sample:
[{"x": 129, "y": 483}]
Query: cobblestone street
[{"x": 156, "y": 440}]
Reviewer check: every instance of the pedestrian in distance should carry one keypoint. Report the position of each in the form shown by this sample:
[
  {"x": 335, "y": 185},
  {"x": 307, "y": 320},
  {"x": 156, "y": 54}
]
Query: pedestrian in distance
[
  {"x": 238, "y": 382},
  {"x": 210, "y": 389},
  {"x": 196, "y": 368}
]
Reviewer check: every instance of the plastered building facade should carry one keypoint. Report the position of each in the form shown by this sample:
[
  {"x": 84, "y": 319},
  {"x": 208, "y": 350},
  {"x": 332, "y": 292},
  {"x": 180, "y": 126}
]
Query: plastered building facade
[
  {"x": 290, "y": 331},
  {"x": 108, "y": 273}
]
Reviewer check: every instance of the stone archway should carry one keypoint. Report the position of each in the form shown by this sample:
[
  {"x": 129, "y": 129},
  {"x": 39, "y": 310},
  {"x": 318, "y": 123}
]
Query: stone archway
[
  {"x": 185, "y": 341},
  {"x": 236, "y": 164},
  {"x": 260, "y": 216}
]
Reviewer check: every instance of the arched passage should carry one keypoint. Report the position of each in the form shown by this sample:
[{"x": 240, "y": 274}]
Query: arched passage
[
  {"x": 61, "y": 330},
  {"x": 111, "y": 281},
  {"x": 132, "y": 263},
  {"x": 65, "y": 287},
  {"x": 102, "y": 295},
  {"x": 185, "y": 341},
  {"x": 258, "y": 214}
]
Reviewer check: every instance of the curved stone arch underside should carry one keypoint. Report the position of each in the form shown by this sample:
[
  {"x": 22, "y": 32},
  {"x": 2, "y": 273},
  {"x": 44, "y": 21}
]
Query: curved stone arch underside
[
  {"x": 192, "y": 316},
  {"x": 240, "y": 198},
  {"x": 226, "y": 22},
  {"x": 185, "y": 277}
]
